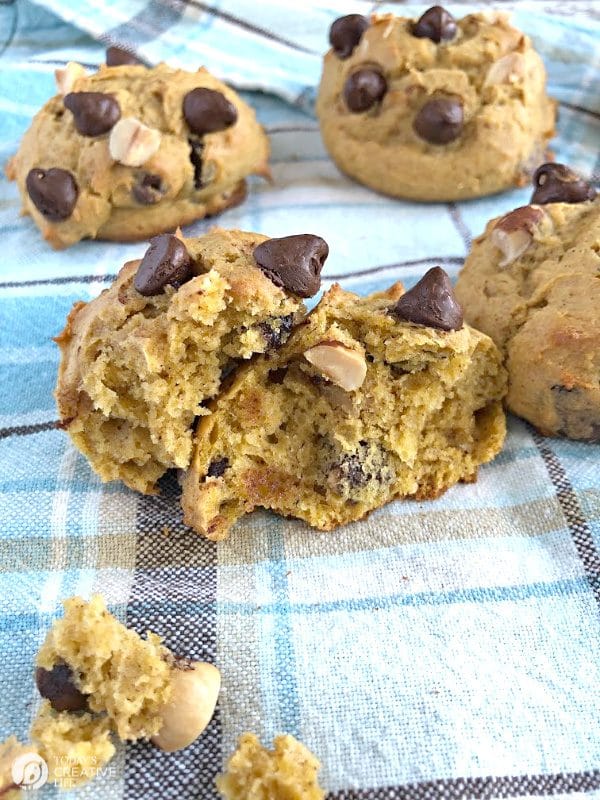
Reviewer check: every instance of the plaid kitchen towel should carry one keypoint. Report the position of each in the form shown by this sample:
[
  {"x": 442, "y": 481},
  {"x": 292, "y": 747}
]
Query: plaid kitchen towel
[{"x": 447, "y": 649}]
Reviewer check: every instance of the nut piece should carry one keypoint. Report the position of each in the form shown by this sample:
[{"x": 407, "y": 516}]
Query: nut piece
[
  {"x": 132, "y": 143},
  {"x": 510, "y": 67},
  {"x": 343, "y": 366},
  {"x": 65, "y": 78},
  {"x": 195, "y": 690},
  {"x": 513, "y": 233}
]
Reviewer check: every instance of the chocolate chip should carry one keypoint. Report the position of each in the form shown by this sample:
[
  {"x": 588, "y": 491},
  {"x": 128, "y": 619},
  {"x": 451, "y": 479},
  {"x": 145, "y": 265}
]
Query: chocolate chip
[
  {"x": 556, "y": 183},
  {"x": 350, "y": 472},
  {"x": 277, "y": 375},
  {"x": 431, "y": 302},
  {"x": 294, "y": 262},
  {"x": 149, "y": 189},
  {"x": 53, "y": 192},
  {"x": 94, "y": 113},
  {"x": 117, "y": 57},
  {"x": 166, "y": 262},
  {"x": 346, "y": 32},
  {"x": 276, "y": 330},
  {"x": 435, "y": 24},
  {"x": 57, "y": 686},
  {"x": 217, "y": 467},
  {"x": 440, "y": 120},
  {"x": 196, "y": 148},
  {"x": 364, "y": 89},
  {"x": 206, "y": 111}
]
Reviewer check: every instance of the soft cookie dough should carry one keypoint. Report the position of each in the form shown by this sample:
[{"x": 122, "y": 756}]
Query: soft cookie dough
[
  {"x": 531, "y": 282},
  {"x": 435, "y": 108},
  {"x": 139, "y": 361},
  {"x": 130, "y": 152},
  {"x": 372, "y": 398},
  {"x": 101, "y": 680}
]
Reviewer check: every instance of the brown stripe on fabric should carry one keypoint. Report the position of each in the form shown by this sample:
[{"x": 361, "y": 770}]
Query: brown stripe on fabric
[
  {"x": 573, "y": 514},
  {"x": 580, "y": 109},
  {"x": 441, "y": 260},
  {"x": 248, "y": 26},
  {"x": 178, "y": 602},
  {"x": 460, "y": 225},
  {"x": 58, "y": 281},
  {"x": 480, "y": 788},
  {"x": 248, "y": 544},
  {"x": 27, "y": 430}
]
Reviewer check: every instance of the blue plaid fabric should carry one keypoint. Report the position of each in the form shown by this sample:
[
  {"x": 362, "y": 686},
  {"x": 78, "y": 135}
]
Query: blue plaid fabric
[{"x": 446, "y": 649}]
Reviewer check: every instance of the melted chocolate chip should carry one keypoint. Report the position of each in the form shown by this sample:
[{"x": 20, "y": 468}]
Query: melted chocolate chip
[
  {"x": 149, "y": 190},
  {"x": 294, "y": 262},
  {"x": 53, "y": 192},
  {"x": 196, "y": 148},
  {"x": 94, "y": 113},
  {"x": 436, "y": 24},
  {"x": 364, "y": 89},
  {"x": 431, "y": 302},
  {"x": 346, "y": 32},
  {"x": 277, "y": 330},
  {"x": 117, "y": 57},
  {"x": 166, "y": 262},
  {"x": 556, "y": 183},
  {"x": 57, "y": 686},
  {"x": 207, "y": 111},
  {"x": 352, "y": 471},
  {"x": 217, "y": 467},
  {"x": 440, "y": 120}
]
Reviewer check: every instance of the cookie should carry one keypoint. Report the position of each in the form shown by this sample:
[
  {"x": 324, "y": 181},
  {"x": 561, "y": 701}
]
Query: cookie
[
  {"x": 100, "y": 680},
  {"x": 531, "y": 283},
  {"x": 371, "y": 399},
  {"x": 139, "y": 362},
  {"x": 16, "y": 764},
  {"x": 288, "y": 772},
  {"x": 130, "y": 152},
  {"x": 434, "y": 108}
]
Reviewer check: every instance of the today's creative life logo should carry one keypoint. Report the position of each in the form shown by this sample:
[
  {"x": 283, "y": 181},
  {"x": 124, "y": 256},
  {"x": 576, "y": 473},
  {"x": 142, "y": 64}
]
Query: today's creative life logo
[{"x": 29, "y": 771}]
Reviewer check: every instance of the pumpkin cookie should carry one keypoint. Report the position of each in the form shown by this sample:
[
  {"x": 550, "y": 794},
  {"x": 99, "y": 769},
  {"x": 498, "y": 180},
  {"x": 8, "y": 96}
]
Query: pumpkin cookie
[
  {"x": 434, "y": 108},
  {"x": 139, "y": 361},
  {"x": 130, "y": 152},
  {"x": 531, "y": 283},
  {"x": 371, "y": 399}
]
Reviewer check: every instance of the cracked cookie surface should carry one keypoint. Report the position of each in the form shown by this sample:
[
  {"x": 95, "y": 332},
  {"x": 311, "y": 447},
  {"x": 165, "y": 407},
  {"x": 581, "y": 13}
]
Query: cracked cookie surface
[
  {"x": 359, "y": 407},
  {"x": 122, "y": 157},
  {"x": 541, "y": 309},
  {"x": 460, "y": 114},
  {"x": 136, "y": 368}
]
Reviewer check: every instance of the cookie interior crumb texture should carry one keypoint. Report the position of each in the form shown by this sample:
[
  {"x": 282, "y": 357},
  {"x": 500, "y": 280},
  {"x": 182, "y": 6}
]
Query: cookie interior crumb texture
[
  {"x": 288, "y": 772},
  {"x": 423, "y": 412},
  {"x": 541, "y": 309},
  {"x": 129, "y": 187},
  {"x": 123, "y": 675},
  {"x": 462, "y": 117},
  {"x": 135, "y": 370}
]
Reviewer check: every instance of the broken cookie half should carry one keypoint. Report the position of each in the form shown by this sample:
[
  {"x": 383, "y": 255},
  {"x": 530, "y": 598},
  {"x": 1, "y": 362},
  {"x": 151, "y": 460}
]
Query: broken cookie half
[
  {"x": 139, "y": 361},
  {"x": 371, "y": 399},
  {"x": 101, "y": 681}
]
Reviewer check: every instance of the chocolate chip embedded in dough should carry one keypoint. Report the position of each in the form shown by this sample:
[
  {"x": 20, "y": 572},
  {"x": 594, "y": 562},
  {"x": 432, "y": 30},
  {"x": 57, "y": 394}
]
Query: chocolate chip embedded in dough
[
  {"x": 346, "y": 32},
  {"x": 94, "y": 113},
  {"x": 117, "y": 57},
  {"x": 293, "y": 262},
  {"x": 440, "y": 120},
  {"x": 57, "y": 686},
  {"x": 436, "y": 24},
  {"x": 149, "y": 189},
  {"x": 53, "y": 192},
  {"x": 217, "y": 467},
  {"x": 556, "y": 183},
  {"x": 207, "y": 111},
  {"x": 166, "y": 262},
  {"x": 364, "y": 89},
  {"x": 430, "y": 302}
]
